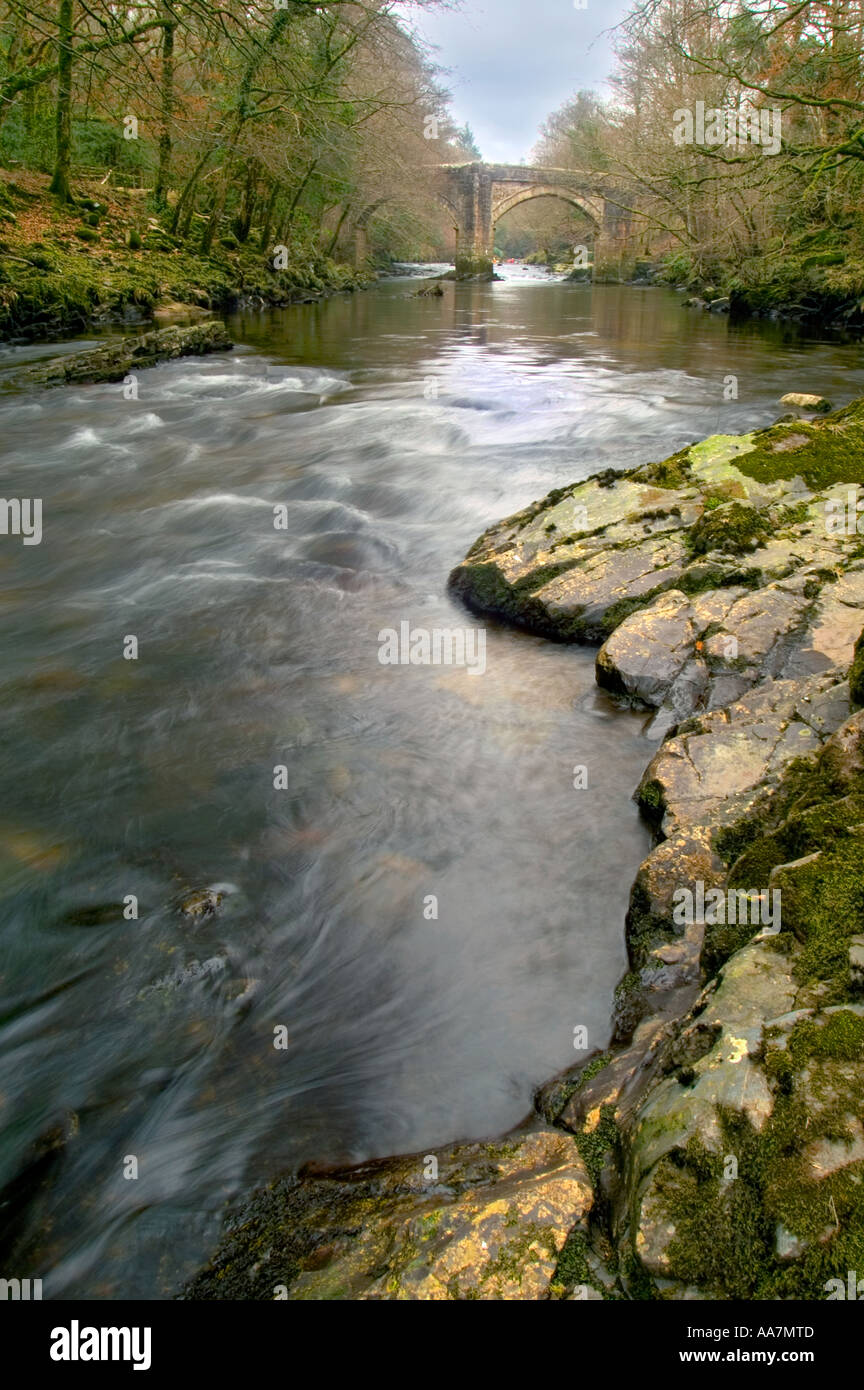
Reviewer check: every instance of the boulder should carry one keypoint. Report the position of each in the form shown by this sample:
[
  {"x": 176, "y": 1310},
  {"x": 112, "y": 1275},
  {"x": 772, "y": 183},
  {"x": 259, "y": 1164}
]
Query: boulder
[
  {"x": 799, "y": 400},
  {"x": 713, "y": 770}
]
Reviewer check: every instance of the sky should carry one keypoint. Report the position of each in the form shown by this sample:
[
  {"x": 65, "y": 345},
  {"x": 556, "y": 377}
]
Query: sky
[{"x": 512, "y": 62}]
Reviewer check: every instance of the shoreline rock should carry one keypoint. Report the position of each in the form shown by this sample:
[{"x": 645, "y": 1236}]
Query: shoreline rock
[
  {"x": 716, "y": 1148},
  {"x": 114, "y": 360}
]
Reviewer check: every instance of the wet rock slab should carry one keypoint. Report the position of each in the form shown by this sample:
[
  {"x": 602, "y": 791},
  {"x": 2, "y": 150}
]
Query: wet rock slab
[
  {"x": 469, "y": 1221},
  {"x": 114, "y": 360}
]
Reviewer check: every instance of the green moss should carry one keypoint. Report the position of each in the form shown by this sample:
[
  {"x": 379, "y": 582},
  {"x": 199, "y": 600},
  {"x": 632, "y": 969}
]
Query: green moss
[
  {"x": 630, "y": 1007},
  {"x": 616, "y": 613},
  {"x": 792, "y": 516},
  {"x": 509, "y": 1264},
  {"x": 474, "y": 268},
  {"x": 803, "y": 784},
  {"x": 823, "y": 901},
  {"x": 731, "y": 528},
  {"x": 722, "y": 1236},
  {"x": 429, "y": 1224},
  {"x": 722, "y": 940},
  {"x": 651, "y": 800},
  {"x": 77, "y": 283},
  {"x": 827, "y": 1212},
  {"x": 597, "y": 1144},
  {"x": 572, "y": 1267},
  {"x": 725, "y": 1230},
  {"x": 551, "y": 1098},
  {"x": 672, "y": 472},
  {"x": 592, "y": 1069},
  {"x": 823, "y": 904},
  {"x": 823, "y": 452},
  {"x": 836, "y": 1037},
  {"x": 805, "y": 830}
]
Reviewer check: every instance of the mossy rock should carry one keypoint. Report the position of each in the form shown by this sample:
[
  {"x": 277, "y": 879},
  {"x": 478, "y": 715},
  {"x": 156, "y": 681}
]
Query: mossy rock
[
  {"x": 731, "y": 528},
  {"x": 823, "y": 452}
]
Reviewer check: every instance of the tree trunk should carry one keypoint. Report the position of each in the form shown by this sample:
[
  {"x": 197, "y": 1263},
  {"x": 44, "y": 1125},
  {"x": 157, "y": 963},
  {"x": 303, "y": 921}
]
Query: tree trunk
[
  {"x": 268, "y": 217},
  {"x": 298, "y": 194},
  {"x": 248, "y": 202},
  {"x": 338, "y": 232},
  {"x": 188, "y": 193},
  {"x": 217, "y": 207},
  {"x": 60, "y": 183},
  {"x": 163, "y": 175}
]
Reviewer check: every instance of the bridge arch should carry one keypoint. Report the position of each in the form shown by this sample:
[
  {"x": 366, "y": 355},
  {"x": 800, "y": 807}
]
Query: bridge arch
[
  {"x": 593, "y": 208},
  {"x": 361, "y": 225}
]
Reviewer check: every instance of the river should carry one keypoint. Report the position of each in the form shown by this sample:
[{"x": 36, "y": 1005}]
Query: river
[{"x": 426, "y": 907}]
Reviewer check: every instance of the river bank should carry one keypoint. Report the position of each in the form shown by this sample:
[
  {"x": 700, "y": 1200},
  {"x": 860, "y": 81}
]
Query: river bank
[
  {"x": 815, "y": 278},
  {"x": 715, "y": 1149},
  {"x": 109, "y": 261}
]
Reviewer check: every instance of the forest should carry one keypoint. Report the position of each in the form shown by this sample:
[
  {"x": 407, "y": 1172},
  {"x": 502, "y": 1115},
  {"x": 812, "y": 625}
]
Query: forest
[
  {"x": 175, "y": 128},
  {"x": 218, "y": 130},
  {"x": 777, "y": 226}
]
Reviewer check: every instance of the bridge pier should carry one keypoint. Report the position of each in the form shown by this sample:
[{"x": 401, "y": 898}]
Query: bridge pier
[
  {"x": 616, "y": 249},
  {"x": 474, "y": 248}
]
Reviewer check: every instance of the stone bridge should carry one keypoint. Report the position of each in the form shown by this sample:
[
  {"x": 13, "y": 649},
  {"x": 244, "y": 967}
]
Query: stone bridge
[{"x": 477, "y": 196}]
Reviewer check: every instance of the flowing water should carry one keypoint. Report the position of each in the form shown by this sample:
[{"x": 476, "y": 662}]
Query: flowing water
[{"x": 425, "y": 907}]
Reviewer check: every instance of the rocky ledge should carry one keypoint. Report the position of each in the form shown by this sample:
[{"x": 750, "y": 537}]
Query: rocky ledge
[
  {"x": 114, "y": 360},
  {"x": 716, "y": 1149}
]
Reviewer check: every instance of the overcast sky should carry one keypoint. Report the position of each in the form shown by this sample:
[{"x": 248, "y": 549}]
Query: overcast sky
[{"x": 512, "y": 62}]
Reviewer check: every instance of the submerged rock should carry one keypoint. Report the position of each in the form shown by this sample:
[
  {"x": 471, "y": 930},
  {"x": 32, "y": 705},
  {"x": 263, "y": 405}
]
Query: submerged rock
[
  {"x": 30, "y": 1184},
  {"x": 201, "y": 902}
]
